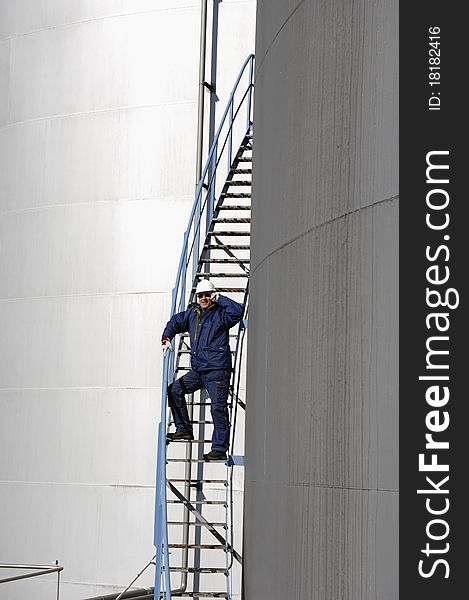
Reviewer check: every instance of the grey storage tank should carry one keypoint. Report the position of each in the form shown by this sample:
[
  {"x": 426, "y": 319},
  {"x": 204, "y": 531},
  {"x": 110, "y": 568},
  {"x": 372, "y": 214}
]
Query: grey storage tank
[{"x": 321, "y": 508}]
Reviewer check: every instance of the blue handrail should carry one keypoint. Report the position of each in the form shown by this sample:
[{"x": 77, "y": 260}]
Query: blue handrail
[
  {"x": 201, "y": 211},
  {"x": 211, "y": 157}
]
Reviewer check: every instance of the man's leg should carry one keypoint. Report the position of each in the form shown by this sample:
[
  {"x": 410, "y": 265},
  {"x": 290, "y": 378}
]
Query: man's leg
[
  {"x": 217, "y": 385},
  {"x": 190, "y": 382}
]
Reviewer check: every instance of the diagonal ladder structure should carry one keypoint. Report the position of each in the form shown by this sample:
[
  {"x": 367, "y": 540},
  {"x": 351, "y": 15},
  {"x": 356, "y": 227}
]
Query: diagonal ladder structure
[{"x": 198, "y": 505}]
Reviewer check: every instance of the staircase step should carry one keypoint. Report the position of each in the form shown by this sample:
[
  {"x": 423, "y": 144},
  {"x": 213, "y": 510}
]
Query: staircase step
[
  {"x": 198, "y": 546},
  {"x": 235, "y": 207},
  {"x": 190, "y": 441},
  {"x": 232, "y": 220},
  {"x": 239, "y": 182},
  {"x": 191, "y": 460},
  {"x": 245, "y": 147},
  {"x": 227, "y": 247},
  {"x": 197, "y": 570},
  {"x": 196, "y": 594},
  {"x": 230, "y": 233},
  {"x": 235, "y": 195},
  {"x": 197, "y": 422},
  {"x": 196, "y": 481},
  {"x": 218, "y": 502},
  {"x": 195, "y": 523},
  {"x": 222, "y": 275},
  {"x": 225, "y": 260},
  {"x": 242, "y": 171},
  {"x": 244, "y": 159}
]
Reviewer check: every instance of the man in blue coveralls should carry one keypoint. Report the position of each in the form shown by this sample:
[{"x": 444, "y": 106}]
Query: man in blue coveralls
[{"x": 208, "y": 324}]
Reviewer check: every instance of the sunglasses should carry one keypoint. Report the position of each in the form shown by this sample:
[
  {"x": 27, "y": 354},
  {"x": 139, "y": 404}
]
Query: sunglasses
[{"x": 204, "y": 295}]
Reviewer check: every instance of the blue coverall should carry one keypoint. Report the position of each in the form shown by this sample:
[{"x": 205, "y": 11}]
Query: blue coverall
[{"x": 210, "y": 362}]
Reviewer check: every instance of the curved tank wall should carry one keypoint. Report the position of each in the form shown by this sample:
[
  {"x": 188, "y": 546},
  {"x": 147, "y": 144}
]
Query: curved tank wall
[
  {"x": 98, "y": 109},
  {"x": 321, "y": 509}
]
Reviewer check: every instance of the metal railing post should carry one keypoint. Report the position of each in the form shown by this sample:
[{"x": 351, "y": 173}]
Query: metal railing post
[
  {"x": 182, "y": 299},
  {"x": 213, "y": 178},
  {"x": 251, "y": 68},
  {"x": 230, "y": 138},
  {"x": 158, "y": 519},
  {"x": 196, "y": 242},
  {"x": 58, "y": 585},
  {"x": 167, "y": 573}
]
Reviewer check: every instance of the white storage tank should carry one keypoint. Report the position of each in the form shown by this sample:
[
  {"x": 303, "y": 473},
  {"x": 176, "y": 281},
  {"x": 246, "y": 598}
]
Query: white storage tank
[{"x": 98, "y": 120}]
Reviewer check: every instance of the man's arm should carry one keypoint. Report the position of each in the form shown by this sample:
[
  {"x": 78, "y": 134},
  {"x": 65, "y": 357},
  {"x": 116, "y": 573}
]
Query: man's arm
[
  {"x": 176, "y": 324},
  {"x": 232, "y": 312}
]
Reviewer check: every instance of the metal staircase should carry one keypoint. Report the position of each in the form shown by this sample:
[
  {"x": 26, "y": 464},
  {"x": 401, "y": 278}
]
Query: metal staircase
[{"x": 198, "y": 505}]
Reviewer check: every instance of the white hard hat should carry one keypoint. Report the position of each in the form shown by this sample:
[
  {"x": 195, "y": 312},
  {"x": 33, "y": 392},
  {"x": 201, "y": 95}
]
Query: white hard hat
[{"x": 204, "y": 286}]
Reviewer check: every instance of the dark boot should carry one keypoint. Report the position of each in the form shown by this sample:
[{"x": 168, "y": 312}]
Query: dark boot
[
  {"x": 215, "y": 455},
  {"x": 186, "y": 436}
]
